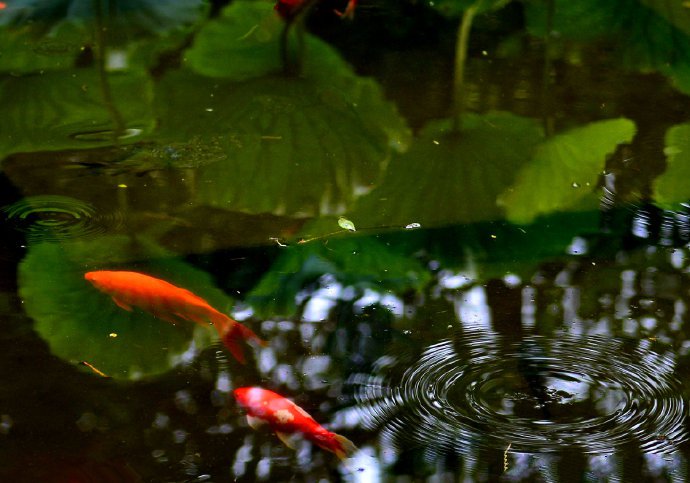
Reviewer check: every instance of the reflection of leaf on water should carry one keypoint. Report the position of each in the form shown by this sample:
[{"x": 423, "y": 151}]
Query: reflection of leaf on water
[
  {"x": 648, "y": 34},
  {"x": 447, "y": 178},
  {"x": 565, "y": 168},
  {"x": 40, "y": 34},
  {"x": 62, "y": 110},
  {"x": 672, "y": 187},
  {"x": 360, "y": 261},
  {"x": 293, "y": 145},
  {"x": 76, "y": 320}
]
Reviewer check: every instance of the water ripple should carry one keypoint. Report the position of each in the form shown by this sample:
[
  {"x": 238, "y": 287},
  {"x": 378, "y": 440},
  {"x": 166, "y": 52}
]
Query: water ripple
[
  {"x": 55, "y": 218},
  {"x": 538, "y": 394}
]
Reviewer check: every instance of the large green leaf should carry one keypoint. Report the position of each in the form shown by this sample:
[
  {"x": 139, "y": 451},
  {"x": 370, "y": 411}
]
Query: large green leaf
[
  {"x": 352, "y": 260},
  {"x": 565, "y": 169},
  {"x": 448, "y": 178},
  {"x": 646, "y": 34},
  {"x": 243, "y": 42},
  {"x": 39, "y": 35},
  {"x": 130, "y": 17},
  {"x": 61, "y": 110},
  {"x": 77, "y": 320},
  {"x": 672, "y": 187},
  {"x": 296, "y": 146}
]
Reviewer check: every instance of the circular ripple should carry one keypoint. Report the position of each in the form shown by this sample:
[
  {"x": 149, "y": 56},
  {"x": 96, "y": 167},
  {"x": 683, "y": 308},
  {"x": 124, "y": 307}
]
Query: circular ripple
[
  {"x": 539, "y": 395},
  {"x": 54, "y": 218}
]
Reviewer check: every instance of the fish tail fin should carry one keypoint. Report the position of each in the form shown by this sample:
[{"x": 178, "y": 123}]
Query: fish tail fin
[
  {"x": 233, "y": 334},
  {"x": 343, "y": 447}
]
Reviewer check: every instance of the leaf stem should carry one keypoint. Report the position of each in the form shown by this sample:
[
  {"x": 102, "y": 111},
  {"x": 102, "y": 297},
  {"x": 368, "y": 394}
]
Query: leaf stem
[
  {"x": 461, "y": 46},
  {"x": 118, "y": 121},
  {"x": 546, "y": 94},
  {"x": 293, "y": 67}
]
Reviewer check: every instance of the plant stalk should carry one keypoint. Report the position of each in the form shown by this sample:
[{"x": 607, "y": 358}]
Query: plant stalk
[
  {"x": 546, "y": 94},
  {"x": 461, "y": 47},
  {"x": 106, "y": 92}
]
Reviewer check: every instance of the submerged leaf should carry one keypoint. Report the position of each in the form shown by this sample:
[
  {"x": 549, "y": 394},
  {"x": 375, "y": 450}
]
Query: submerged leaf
[
  {"x": 39, "y": 35},
  {"x": 646, "y": 34},
  {"x": 565, "y": 169},
  {"x": 62, "y": 110},
  {"x": 243, "y": 42},
  {"x": 672, "y": 187},
  {"x": 124, "y": 17},
  {"x": 293, "y": 146},
  {"x": 448, "y": 178},
  {"x": 79, "y": 322}
]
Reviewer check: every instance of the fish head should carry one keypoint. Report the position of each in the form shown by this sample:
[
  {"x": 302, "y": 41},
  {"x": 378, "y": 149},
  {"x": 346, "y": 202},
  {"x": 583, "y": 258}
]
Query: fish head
[
  {"x": 99, "y": 279},
  {"x": 250, "y": 397}
]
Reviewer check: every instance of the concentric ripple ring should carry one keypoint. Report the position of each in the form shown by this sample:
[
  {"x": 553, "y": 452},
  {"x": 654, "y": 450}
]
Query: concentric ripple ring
[
  {"x": 537, "y": 394},
  {"x": 53, "y": 218}
]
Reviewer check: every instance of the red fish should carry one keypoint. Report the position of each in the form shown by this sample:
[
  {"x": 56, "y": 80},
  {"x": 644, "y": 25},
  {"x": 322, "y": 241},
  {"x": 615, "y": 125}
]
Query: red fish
[
  {"x": 290, "y": 8},
  {"x": 285, "y": 418},
  {"x": 174, "y": 304}
]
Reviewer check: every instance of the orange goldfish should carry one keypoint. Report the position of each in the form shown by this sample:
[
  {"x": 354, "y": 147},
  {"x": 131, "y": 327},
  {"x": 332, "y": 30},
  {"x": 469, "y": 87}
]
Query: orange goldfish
[
  {"x": 173, "y": 304},
  {"x": 285, "y": 418}
]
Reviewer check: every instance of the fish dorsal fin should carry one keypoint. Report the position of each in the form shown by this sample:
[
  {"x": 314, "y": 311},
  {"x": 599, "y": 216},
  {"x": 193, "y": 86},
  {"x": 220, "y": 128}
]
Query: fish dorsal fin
[
  {"x": 254, "y": 422},
  {"x": 288, "y": 439},
  {"x": 122, "y": 304}
]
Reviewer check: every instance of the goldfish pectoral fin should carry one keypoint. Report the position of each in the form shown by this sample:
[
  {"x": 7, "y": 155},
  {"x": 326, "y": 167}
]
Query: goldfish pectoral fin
[
  {"x": 287, "y": 439},
  {"x": 254, "y": 422},
  {"x": 122, "y": 304}
]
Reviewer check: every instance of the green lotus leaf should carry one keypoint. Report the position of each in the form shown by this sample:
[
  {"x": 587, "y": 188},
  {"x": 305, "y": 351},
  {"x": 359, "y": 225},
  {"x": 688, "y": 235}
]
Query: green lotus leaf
[
  {"x": 352, "y": 260},
  {"x": 564, "y": 169},
  {"x": 38, "y": 35},
  {"x": 21, "y": 50},
  {"x": 672, "y": 187},
  {"x": 243, "y": 42},
  {"x": 63, "y": 110},
  {"x": 79, "y": 322},
  {"x": 646, "y": 34},
  {"x": 448, "y": 178},
  {"x": 123, "y": 17},
  {"x": 279, "y": 133}
]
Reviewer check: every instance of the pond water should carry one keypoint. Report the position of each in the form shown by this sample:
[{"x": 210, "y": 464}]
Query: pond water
[{"x": 460, "y": 228}]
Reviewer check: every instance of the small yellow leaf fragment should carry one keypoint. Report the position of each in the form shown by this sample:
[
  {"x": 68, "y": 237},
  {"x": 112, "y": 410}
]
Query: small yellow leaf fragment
[
  {"x": 122, "y": 185},
  {"x": 112, "y": 335},
  {"x": 346, "y": 224}
]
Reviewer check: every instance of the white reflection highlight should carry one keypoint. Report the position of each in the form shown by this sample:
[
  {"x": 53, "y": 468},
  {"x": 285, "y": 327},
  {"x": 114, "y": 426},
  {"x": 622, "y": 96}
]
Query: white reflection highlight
[
  {"x": 362, "y": 467},
  {"x": 471, "y": 308}
]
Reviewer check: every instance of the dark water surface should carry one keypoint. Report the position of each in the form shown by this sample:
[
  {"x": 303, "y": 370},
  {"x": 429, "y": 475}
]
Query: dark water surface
[{"x": 461, "y": 227}]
